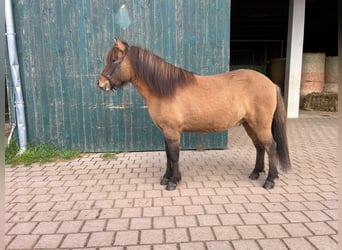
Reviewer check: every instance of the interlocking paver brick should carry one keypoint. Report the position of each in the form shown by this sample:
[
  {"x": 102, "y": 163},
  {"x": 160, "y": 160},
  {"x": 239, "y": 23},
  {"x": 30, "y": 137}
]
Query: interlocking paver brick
[
  {"x": 75, "y": 240},
  {"x": 79, "y": 196},
  {"x": 275, "y": 207},
  {"x": 199, "y": 200},
  {"x": 186, "y": 221},
  {"x": 166, "y": 201},
  {"x": 134, "y": 194},
  {"x": 23, "y": 241},
  {"x": 70, "y": 226},
  {"x": 294, "y": 206},
  {"x": 274, "y": 218},
  {"x": 49, "y": 241},
  {"x": 272, "y": 244},
  {"x": 46, "y": 227},
  {"x": 214, "y": 209},
  {"x": 131, "y": 212},
  {"x": 235, "y": 208},
  {"x": 193, "y": 210},
  {"x": 84, "y": 204},
  {"x": 273, "y": 231},
  {"x": 124, "y": 203},
  {"x": 100, "y": 239},
  {"x": 230, "y": 219},
  {"x": 323, "y": 242},
  {"x": 153, "y": 211},
  {"x": 60, "y": 197},
  {"x": 103, "y": 204},
  {"x": 23, "y": 228},
  {"x": 117, "y": 224},
  {"x": 192, "y": 246},
  {"x": 110, "y": 213},
  {"x": 252, "y": 219},
  {"x": 155, "y": 236},
  {"x": 44, "y": 216},
  {"x": 64, "y": 205},
  {"x": 173, "y": 210},
  {"x": 176, "y": 235},
  {"x": 126, "y": 238},
  {"x": 208, "y": 220},
  {"x": 163, "y": 222},
  {"x": 165, "y": 247},
  {"x": 93, "y": 225},
  {"x": 66, "y": 215},
  {"x": 316, "y": 215},
  {"x": 143, "y": 202},
  {"x": 225, "y": 233},
  {"x": 215, "y": 245},
  {"x": 250, "y": 232},
  {"x": 297, "y": 230},
  {"x": 88, "y": 214},
  {"x": 298, "y": 243},
  {"x": 219, "y": 199},
  {"x": 141, "y": 223},
  {"x": 244, "y": 244},
  {"x": 201, "y": 233},
  {"x": 41, "y": 198},
  {"x": 320, "y": 228}
]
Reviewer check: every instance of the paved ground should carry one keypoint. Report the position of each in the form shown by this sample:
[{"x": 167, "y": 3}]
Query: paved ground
[{"x": 102, "y": 204}]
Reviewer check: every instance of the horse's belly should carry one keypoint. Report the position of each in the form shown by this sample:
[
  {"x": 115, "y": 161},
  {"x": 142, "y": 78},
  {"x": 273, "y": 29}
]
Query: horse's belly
[{"x": 209, "y": 124}]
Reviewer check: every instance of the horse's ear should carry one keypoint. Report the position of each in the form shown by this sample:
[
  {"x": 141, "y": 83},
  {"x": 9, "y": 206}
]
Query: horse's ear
[
  {"x": 120, "y": 44},
  {"x": 115, "y": 41}
]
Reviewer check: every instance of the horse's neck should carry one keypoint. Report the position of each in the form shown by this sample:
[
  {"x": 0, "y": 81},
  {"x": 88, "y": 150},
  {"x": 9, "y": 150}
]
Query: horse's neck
[{"x": 143, "y": 89}]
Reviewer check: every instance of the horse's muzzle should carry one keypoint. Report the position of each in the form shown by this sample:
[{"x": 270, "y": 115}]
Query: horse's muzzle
[{"x": 104, "y": 84}]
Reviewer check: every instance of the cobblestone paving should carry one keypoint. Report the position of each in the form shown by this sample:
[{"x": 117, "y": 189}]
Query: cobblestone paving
[{"x": 95, "y": 203}]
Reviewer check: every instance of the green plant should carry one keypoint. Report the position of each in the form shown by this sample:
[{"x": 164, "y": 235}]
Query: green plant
[
  {"x": 11, "y": 150},
  {"x": 200, "y": 147},
  {"x": 108, "y": 155},
  {"x": 36, "y": 153}
]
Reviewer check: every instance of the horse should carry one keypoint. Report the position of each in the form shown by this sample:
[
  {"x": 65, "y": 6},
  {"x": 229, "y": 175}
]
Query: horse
[{"x": 180, "y": 101}]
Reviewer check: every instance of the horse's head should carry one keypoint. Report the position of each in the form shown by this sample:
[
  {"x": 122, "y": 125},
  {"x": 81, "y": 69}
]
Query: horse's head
[{"x": 116, "y": 72}]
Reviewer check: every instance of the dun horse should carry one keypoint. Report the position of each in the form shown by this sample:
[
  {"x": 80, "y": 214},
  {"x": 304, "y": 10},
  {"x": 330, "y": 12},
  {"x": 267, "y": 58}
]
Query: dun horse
[{"x": 180, "y": 101}]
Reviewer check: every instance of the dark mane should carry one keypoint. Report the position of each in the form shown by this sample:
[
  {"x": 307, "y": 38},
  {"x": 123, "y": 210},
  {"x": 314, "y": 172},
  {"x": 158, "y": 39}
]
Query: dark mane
[{"x": 161, "y": 76}]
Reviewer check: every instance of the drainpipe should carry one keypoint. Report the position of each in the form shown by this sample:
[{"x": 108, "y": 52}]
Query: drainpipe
[{"x": 14, "y": 64}]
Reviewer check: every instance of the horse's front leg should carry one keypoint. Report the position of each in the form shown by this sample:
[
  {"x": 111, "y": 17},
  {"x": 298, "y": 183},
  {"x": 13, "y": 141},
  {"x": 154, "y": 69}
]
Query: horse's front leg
[
  {"x": 172, "y": 175},
  {"x": 168, "y": 172}
]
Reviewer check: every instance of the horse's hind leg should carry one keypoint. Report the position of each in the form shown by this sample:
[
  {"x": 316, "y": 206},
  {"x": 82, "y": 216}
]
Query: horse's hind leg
[
  {"x": 172, "y": 175},
  {"x": 260, "y": 153},
  {"x": 263, "y": 141},
  {"x": 271, "y": 148}
]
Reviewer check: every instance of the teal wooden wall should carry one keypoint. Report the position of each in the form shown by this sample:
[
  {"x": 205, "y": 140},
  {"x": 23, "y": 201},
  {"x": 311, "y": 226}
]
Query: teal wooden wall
[{"x": 62, "y": 46}]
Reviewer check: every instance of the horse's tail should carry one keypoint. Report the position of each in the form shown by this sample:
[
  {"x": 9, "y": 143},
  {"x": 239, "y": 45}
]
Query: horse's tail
[{"x": 279, "y": 133}]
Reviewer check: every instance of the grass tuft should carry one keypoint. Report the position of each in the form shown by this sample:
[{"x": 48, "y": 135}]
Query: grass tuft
[{"x": 108, "y": 155}]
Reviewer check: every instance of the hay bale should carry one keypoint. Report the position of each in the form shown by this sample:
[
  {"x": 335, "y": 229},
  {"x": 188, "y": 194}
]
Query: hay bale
[{"x": 326, "y": 101}]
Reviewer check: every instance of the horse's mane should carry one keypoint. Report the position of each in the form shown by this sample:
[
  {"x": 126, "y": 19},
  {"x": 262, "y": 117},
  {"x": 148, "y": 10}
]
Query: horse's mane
[{"x": 162, "y": 77}]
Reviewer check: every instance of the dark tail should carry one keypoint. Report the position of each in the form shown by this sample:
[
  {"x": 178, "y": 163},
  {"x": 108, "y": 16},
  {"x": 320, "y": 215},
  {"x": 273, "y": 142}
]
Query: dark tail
[{"x": 279, "y": 133}]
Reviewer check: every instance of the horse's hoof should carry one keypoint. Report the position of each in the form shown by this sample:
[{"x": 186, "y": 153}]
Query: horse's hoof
[
  {"x": 171, "y": 186},
  {"x": 254, "y": 176},
  {"x": 164, "y": 181},
  {"x": 268, "y": 185}
]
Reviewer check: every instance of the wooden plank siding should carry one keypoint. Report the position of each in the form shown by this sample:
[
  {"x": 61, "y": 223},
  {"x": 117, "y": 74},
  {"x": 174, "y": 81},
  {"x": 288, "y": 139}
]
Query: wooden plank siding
[{"x": 62, "y": 46}]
